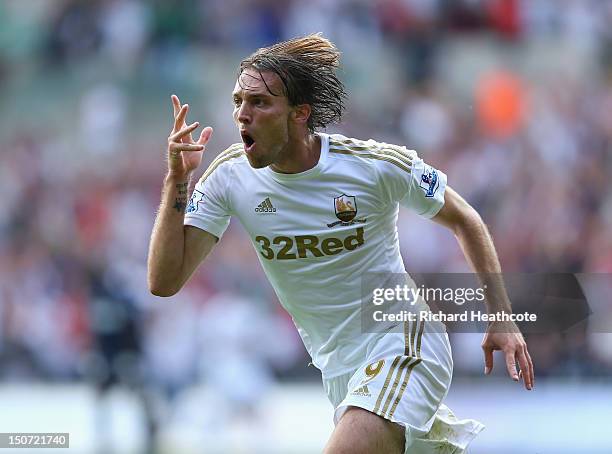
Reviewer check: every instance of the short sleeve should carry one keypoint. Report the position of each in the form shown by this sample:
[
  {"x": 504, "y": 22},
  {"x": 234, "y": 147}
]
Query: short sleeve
[
  {"x": 208, "y": 207},
  {"x": 413, "y": 183}
]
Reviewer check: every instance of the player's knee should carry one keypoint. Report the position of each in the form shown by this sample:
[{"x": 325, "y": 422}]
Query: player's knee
[{"x": 362, "y": 432}]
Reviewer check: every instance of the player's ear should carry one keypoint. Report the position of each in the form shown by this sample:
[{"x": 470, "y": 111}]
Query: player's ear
[{"x": 301, "y": 113}]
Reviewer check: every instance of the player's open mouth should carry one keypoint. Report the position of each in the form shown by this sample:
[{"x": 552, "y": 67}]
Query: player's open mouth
[{"x": 248, "y": 141}]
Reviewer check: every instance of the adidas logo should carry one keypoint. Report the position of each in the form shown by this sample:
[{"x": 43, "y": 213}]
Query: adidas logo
[
  {"x": 265, "y": 207},
  {"x": 362, "y": 391}
]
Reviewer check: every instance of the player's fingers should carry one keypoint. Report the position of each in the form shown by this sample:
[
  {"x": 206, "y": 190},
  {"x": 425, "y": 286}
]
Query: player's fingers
[
  {"x": 177, "y": 136},
  {"x": 179, "y": 120},
  {"x": 176, "y": 104},
  {"x": 530, "y": 367},
  {"x": 183, "y": 116},
  {"x": 511, "y": 364},
  {"x": 488, "y": 354},
  {"x": 178, "y": 147},
  {"x": 525, "y": 371},
  {"x": 205, "y": 135}
]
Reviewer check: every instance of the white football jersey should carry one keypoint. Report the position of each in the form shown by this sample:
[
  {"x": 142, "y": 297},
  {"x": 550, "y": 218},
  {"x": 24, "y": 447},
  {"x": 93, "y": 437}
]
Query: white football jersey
[{"x": 316, "y": 232}]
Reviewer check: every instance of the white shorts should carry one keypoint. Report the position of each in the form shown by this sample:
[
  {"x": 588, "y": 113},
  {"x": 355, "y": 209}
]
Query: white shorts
[{"x": 404, "y": 379}]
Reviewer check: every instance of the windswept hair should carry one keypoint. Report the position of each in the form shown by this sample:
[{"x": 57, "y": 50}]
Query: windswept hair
[{"x": 307, "y": 67}]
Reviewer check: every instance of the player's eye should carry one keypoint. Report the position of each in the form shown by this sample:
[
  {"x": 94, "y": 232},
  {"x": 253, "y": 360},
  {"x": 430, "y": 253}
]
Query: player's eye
[{"x": 237, "y": 102}]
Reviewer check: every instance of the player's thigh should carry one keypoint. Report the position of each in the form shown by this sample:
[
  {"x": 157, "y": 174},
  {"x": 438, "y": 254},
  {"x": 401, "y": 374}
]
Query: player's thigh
[{"x": 360, "y": 431}]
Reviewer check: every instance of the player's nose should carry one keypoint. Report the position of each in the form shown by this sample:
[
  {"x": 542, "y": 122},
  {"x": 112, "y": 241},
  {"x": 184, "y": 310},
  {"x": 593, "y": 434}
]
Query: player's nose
[{"x": 243, "y": 116}]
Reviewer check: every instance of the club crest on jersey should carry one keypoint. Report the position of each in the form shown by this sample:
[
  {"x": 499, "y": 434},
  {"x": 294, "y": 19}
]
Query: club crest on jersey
[
  {"x": 345, "y": 207},
  {"x": 429, "y": 181}
]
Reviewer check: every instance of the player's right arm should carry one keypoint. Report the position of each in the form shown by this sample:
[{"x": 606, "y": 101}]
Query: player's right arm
[{"x": 176, "y": 250}]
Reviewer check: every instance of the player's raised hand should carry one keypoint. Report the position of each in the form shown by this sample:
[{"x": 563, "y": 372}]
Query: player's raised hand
[
  {"x": 507, "y": 337},
  {"x": 184, "y": 154}
]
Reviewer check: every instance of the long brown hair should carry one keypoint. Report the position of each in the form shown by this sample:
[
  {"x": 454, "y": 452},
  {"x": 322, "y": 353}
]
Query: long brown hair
[{"x": 307, "y": 67}]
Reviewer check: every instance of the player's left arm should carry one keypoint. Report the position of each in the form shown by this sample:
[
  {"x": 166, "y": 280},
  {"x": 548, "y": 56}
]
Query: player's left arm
[{"x": 477, "y": 246}]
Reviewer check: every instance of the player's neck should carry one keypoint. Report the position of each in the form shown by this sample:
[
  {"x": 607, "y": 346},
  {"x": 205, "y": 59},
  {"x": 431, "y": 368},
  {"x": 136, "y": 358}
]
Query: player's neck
[{"x": 300, "y": 155}]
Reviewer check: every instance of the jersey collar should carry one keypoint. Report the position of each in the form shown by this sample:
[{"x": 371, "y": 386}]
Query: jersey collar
[{"x": 314, "y": 171}]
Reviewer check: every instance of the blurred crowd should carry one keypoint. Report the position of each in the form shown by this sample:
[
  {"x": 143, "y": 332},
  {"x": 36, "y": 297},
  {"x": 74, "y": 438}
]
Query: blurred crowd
[{"x": 511, "y": 98}]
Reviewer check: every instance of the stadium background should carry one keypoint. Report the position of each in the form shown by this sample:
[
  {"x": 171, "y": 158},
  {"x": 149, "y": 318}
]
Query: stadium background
[{"x": 512, "y": 98}]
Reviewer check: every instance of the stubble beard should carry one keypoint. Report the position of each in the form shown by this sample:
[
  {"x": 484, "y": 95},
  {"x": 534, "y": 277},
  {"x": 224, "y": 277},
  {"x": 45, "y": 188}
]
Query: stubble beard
[
  {"x": 257, "y": 162},
  {"x": 271, "y": 157}
]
